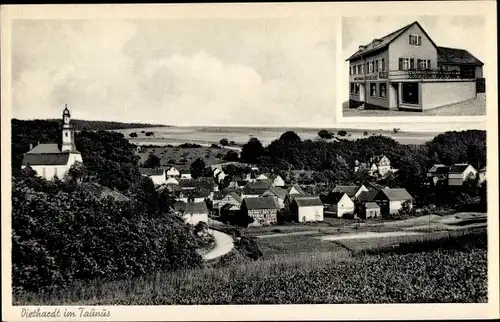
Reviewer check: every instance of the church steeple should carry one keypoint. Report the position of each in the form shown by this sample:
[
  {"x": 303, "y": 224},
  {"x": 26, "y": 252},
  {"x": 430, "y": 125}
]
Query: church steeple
[{"x": 67, "y": 135}]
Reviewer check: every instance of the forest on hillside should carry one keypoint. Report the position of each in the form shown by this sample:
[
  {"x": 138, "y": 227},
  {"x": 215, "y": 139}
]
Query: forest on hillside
[{"x": 80, "y": 125}]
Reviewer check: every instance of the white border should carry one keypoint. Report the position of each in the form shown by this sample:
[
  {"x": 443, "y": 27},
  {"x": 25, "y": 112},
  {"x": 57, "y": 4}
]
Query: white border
[{"x": 246, "y": 11}]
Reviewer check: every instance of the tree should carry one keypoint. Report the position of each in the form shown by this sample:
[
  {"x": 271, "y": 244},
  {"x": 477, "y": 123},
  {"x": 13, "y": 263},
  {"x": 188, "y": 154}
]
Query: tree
[
  {"x": 231, "y": 156},
  {"x": 252, "y": 151},
  {"x": 290, "y": 137},
  {"x": 365, "y": 133},
  {"x": 224, "y": 142},
  {"x": 152, "y": 161},
  {"x": 342, "y": 133},
  {"x": 133, "y": 135},
  {"x": 325, "y": 134},
  {"x": 197, "y": 168}
]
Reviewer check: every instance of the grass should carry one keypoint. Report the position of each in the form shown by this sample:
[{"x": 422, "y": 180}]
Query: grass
[
  {"x": 450, "y": 270},
  {"x": 297, "y": 244}
]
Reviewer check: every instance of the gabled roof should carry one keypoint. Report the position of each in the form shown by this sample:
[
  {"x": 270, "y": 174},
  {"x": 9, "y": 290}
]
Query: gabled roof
[
  {"x": 349, "y": 190},
  {"x": 375, "y": 186},
  {"x": 367, "y": 196},
  {"x": 396, "y": 194},
  {"x": 257, "y": 188},
  {"x": 333, "y": 198},
  {"x": 447, "y": 56},
  {"x": 298, "y": 188},
  {"x": 308, "y": 201},
  {"x": 45, "y": 148},
  {"x": 152, "y": 172},
  {"x": 458, "y": 168},
  {"x": 191, "y": 207},
  {"x": 278, "y": 192},
  {"x": 60, "y": 158},
  {"x": 371, "y": 205},
  {"x": 386, "y": 40},
  {"x": 442, "y": 170},
  {"x": 435, "y": 167},
  {"x": 260, "y": 203}
]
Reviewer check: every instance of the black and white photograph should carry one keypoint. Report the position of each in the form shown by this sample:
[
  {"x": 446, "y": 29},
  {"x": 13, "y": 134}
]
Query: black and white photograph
[
  {"x": 414, "y": 66},
  {"x": 192, "y": 164}
]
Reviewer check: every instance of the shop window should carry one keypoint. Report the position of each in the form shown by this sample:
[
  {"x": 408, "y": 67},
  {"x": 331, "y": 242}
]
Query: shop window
[
  {"x": 382, "y": 90},
  {"x": 373, "y": 89}
]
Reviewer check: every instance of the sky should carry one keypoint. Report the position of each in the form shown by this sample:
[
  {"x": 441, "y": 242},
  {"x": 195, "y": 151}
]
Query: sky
[
  {"x": 180, "y": 72},
  {"x": 466, "y": 32},
  {"x": 261, "y": 72}
]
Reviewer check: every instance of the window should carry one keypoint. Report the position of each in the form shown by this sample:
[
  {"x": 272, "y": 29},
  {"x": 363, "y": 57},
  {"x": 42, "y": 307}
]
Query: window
[
  {"x": 404, "y": 63},
  {"x": 358, "y": 69},
  {"x": 381, "y": 64},
  {"x": 423, "y": 63},
  {"x": 351, "y": 69},
  {"x": 415, "y": 40},
  {"x": 412, "y": 63},
  {"x": 382, "y": 88},
  {"x": 373, "y": 89},
  {"x": 66, "y": 133},
  {"x": 356, "y": 89},
  {"x": 362, "y": 69},
  {"x": 353, "y": 85},
  {"x": 370, "y": 66}
]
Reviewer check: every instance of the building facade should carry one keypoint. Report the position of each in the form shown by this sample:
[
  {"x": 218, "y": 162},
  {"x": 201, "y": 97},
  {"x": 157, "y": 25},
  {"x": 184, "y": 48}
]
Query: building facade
[{"x": 406, "y": 70}]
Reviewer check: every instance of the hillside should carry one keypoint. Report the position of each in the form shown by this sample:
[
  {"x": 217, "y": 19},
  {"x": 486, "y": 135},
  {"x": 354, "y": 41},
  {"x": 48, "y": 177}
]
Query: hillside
[{"x": 79, "y": 125}]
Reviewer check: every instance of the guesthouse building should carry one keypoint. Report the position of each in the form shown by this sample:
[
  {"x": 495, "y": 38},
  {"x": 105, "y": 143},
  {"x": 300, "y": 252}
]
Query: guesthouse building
[
  {"x": 263, "y": 210},
  {"x": 406, "y": 70}
]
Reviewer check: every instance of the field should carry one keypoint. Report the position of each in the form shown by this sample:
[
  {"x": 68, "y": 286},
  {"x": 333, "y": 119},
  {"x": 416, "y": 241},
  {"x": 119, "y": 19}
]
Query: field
[
  {"x": 174, "y": 155},
  {"x": 446, "y": 267}
]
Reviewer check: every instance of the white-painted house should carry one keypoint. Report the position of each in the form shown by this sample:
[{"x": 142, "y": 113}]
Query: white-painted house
[
  {"x": 47, "y": 160},
  {"x": 278, "y": 181},
  {"x": 172, "y": 180},
  {"x": 192, "y": 212},
  {"x": 173, "y": 172},
  {"x": 156, "y": 175},
  {"x": 307, "y": 208},
  {"x": 339, "y": 203},
  {"x": 459, "y": 173}
]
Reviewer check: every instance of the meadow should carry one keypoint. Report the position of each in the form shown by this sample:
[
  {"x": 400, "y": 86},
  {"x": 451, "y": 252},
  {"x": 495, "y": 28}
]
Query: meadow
[{"x": 452, "y": 269}]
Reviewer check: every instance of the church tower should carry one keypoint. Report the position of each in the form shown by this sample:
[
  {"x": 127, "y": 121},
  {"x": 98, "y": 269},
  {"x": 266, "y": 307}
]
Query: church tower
[{"x": 67, "y": 135}]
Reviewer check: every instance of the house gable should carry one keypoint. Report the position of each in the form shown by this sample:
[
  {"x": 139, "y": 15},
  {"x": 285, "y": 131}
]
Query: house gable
[{"x": 400, "y": 47}]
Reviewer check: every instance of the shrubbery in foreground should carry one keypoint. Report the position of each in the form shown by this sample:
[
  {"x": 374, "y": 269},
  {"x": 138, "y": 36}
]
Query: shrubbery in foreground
[{"x": 64, "y": 233}]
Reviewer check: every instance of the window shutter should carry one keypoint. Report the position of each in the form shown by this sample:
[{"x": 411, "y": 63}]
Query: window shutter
[
  {"x": 412, "y": 63},
  {"x": 428, "y": 64},
  {"x": 409, "y": 39},
  {"x": 419, "y": 63},
  {"x": 383, "y": 64},
  {"x": 419, "y": 40},
  {"x": 400, "y": 63}
]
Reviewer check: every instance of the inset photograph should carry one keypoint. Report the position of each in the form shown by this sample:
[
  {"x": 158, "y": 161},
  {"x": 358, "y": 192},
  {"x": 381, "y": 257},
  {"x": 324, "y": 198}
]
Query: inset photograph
[{"x": 403, "y": 66}]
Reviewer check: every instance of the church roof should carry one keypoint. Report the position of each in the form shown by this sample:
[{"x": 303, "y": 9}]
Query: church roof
[
  {"x": 45, "y": 148},
  {"x": 60, "y": 158}
]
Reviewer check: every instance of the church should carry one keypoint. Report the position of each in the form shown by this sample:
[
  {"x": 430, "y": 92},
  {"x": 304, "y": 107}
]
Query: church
[{"x": 48, "y": 160}]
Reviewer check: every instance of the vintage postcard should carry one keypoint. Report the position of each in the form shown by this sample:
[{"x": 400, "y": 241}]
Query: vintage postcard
[{"x": 311, "y": 161}]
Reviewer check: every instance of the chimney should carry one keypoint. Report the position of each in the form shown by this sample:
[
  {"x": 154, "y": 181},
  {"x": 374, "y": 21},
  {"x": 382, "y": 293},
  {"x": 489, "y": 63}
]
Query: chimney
[
  {"x": 361, "y": 47},
  {"x": 31, "y": 146}
]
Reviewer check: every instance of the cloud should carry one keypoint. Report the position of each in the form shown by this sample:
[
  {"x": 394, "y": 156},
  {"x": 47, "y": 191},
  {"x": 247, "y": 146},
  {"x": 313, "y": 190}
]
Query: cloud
[{"x": 272, "y": 72}]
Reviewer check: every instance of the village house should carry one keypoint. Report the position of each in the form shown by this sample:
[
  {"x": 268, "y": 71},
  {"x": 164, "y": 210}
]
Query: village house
[
  {"x": 192, "y": 212},
  {"x": 47, "y": 160},
  {"x": 392, "y": 200},
  {"x": 277, "y": 181},
  {"x": 406, "y": 70},
  {"x": 306, "y": 208},
  {"x": 186, "y": 175},
  {"x": 368, "y": 210},
  {"x": 352, "y": 191},
  {"x": 156, "y": 175},
  {"x": 279, "y": 195},
  {"x": 380, "y": 165},
  {"x": 292, "y": 191},
  {"x": 437, "y": 174},
  {"x": 459, "y": 173},
  {"x": 482, "y": 175},
  {"x": 254, "y": 189},
  {"x": 263, "y": 210},
  {"x": 173, "y": 172},
  {"x": 338, "y": 204},
  {"x": 172, "y": 180},
  {"x": 223, "y": 198},
  {"x": 194, "y": 196}
]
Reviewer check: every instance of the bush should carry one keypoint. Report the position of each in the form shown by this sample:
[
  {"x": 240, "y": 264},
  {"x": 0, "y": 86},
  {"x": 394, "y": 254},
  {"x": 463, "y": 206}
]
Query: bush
[
  {"x": 224, "y": 142},
  {"x": 249, "y": 247},
  {"x": 189, "y": 146},
  {"x": 324, "y": 134},
  {"x": 342, "y": 133},
  {"x": 150, "y": 134},
  {"x": 231, "y": 156},
  {"x": 152, "y": 161},
  {"x": 133, "y": 135},
  {"x": 65, "y": 233}
]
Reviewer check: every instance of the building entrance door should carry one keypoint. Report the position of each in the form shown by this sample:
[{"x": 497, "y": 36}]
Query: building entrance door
[
  {"x": 362, "y": 92},
  {"x": 410, "y": 93},
  {"x": 393, "y": 96}
]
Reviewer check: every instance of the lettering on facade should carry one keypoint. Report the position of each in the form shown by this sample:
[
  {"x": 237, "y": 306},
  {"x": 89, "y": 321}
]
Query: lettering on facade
[{"x": 371, "y": 77}]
